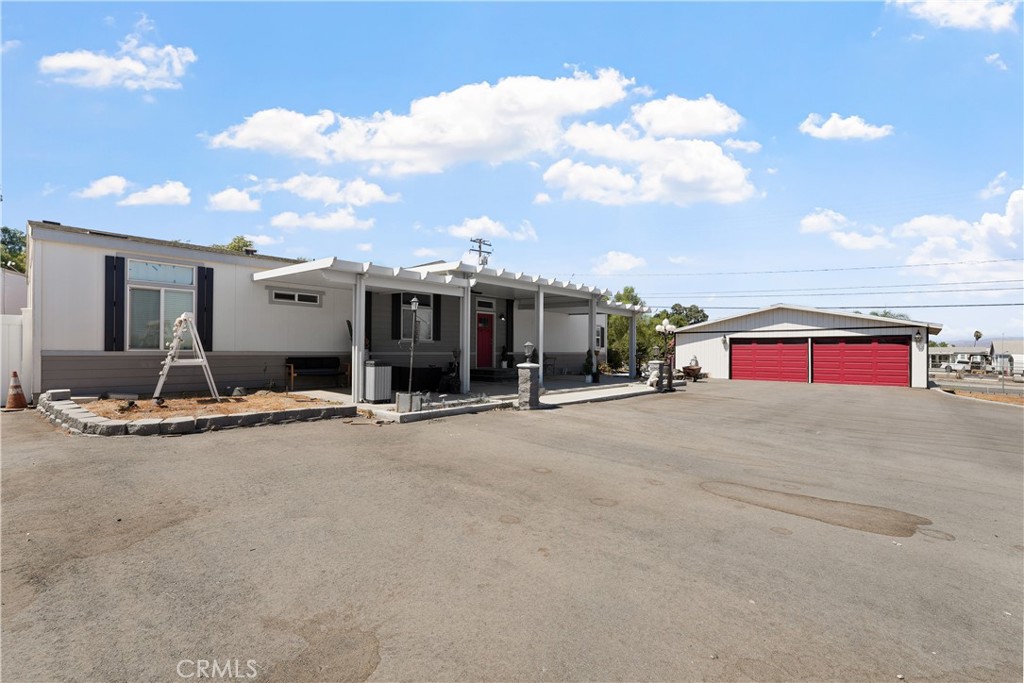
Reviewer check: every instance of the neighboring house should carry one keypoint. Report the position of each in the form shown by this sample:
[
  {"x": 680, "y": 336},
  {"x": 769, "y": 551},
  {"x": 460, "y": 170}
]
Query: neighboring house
[
  {"x": 13, "y": 291},
  {"x": 800, "y": 344},
  {"x": 1007, "y": 356},
  {"x": 959, "y": 357},
  {"x": 101, "y": 307}
]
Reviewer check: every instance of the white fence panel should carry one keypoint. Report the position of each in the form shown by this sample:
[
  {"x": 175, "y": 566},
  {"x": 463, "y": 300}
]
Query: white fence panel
[{"x": 10, "y": 353}]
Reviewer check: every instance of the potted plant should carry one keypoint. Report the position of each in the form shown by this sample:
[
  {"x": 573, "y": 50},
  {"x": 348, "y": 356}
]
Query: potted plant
[{"x": 588, "y": 367}]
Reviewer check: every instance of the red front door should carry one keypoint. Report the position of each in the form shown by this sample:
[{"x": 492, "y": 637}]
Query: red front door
[{"x": 485, "y": 340}]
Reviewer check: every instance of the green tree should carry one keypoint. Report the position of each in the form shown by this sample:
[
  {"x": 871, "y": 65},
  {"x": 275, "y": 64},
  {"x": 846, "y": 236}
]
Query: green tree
[
  {"x": 936, "y": 345},
  {"x": 890, "y": 314},
  {"x": 12, "y": 253},
  {"x": 681, "y": 316},
  {"x": 238, "y": 243},
  {"x": 977, "y": 336},
  {"x": 646, "y": 336}
]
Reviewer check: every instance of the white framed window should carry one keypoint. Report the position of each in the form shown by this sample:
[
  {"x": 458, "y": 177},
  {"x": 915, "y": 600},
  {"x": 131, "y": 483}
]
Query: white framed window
[
  {"x": 485, "y": 305},
  {"x": 424, "y": 317},
  {"x": 293, "y": 296},
  {"x": 599, "y": 337},
  {"x": 157, "y": 294}
]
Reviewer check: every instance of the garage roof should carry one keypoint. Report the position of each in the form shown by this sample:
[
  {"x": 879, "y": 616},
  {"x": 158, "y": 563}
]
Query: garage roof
[{"x": 933, "y": 328}]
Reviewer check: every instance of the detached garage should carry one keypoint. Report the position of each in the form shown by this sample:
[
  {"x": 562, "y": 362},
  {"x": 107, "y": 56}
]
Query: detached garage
[{"x": 786, "y": 343}]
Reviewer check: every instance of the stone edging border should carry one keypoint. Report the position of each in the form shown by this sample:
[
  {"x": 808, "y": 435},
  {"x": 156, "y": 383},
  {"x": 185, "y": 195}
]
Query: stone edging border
[{"x": 64, "y": 413}]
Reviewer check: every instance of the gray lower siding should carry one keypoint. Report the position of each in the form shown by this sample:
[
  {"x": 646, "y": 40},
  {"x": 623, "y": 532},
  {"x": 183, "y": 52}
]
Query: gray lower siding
[{"x": 95, "y": 373}]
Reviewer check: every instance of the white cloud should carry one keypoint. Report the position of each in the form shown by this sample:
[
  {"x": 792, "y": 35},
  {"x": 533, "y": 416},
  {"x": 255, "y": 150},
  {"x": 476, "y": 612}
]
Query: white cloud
[
  {"x": 104, "y": 187},
  {"x": 483, "y": 226},
  {"x": 841, "y": 230},
  {"x": 771, "y": 171},
  {"x": 662, "y": 170},
  {"x": 823, "y": 220},
  {"x": 9, "y": 45},
  {"x": 601, "y": 184},
  {"x": 171, "y": 192},
  {"x": 525, "y": 232},
  {"x": 515, "y": 117},
  {"x": 676, "y": 116},
  {"x": 233, "y": 199},
  {"x": 426, "y": 252},
  {"x": 996, "y": 61},
  {"x": 342, "y": 219},
  {"x": 994, "y": 188},
  {"x": 264, "y": 240},
  {"x": 838, "y": 128},
  {"x": 857, "y": 241},
  {"x": 330, "y": 190},
  {"x": 990, "y": 15},
  {"x": 364, "y": 246},
  {"x": 680, "y": 260},
  {"x": 542, "y": 198},
  {"x": 743, "y": 145},
  {"x": 135, "y": 66},
  {"x": 915, "y": 38},
  {"x": 618, "y": 262},
  {"x": 962, "y": 243}
]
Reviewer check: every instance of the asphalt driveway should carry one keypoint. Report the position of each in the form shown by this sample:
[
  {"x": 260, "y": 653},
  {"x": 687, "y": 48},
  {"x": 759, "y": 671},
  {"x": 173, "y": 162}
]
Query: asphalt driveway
[{"x": 731, "y": 531}]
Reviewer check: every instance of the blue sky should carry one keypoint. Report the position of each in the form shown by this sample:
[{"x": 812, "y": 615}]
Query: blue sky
[{"x": 686, "y": 149}]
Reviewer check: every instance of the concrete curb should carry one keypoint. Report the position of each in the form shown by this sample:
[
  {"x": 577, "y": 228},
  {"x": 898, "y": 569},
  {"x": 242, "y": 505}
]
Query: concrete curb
[
  {"x": 56, "y": 405},
  {"x": 971, "y": 398},
  {"x": 404, "y": 418}
]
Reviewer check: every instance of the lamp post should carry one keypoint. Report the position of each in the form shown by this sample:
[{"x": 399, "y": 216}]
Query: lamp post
[
  {"x": 668, "y": 331},
  {"x": 528, "y": 347},
  {"x": 414, "y": 304}
]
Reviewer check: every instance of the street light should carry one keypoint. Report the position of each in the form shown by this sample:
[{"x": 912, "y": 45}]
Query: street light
[
  {"x": 668, "y": 331},
  {"x": 414, "y": 305}
]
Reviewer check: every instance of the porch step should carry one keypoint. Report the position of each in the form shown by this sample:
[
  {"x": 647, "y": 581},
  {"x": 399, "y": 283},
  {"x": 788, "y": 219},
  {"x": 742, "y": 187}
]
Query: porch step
[{"x": 493, "y": 374}]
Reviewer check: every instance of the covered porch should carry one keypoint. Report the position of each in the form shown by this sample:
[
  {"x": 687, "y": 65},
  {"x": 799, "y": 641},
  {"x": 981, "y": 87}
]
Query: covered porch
[{"x": 465, "y": 319}]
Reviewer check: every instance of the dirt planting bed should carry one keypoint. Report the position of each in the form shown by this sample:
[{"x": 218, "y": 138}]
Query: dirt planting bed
[{"x": 260, "y": 402}]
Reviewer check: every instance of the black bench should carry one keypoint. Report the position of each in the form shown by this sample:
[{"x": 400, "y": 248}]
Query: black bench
[{"x": 313, "y": 366}]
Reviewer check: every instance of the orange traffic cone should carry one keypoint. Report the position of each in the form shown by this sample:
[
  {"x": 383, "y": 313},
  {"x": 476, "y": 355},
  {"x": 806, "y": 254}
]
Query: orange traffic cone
[{"x": 15, "y": 396}]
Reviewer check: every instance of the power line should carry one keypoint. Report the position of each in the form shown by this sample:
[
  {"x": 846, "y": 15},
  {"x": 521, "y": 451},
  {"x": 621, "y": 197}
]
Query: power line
[
  {"x": 826, "y": 289},
  {"x": 805, "y": 270},
  {"x": 890, "y": 307},
  {"x": 912, "y": 291}
]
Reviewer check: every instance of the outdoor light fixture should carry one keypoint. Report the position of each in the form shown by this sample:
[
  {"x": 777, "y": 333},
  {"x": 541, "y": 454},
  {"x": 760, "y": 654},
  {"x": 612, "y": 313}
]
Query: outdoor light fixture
[
  {"x": 501, "y": 317},
  {"x": 528, "y": 347},
  {"x": 918, "y": 337},
  {"x": 725, "y": 340},
  {"x": 668, "y": 331},
  {"x": 414, "y": 305}
]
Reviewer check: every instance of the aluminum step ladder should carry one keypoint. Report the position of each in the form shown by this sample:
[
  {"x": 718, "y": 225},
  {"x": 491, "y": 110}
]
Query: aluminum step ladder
[{"x": 185, "y": 324}]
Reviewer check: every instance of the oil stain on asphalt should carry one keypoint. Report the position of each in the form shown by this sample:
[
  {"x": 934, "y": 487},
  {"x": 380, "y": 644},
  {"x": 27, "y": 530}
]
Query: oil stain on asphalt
[{"x": 870, "y": 518}]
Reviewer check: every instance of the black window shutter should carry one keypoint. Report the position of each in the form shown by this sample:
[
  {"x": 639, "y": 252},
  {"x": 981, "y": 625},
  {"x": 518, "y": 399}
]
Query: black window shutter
[
  {"x": 396, "y": 316},
  {"x": 204, "y": 307},
  {"x": 114, "y": 304},
  {"x": 368, "y": 321},
  {"x": 436, "y": 327}
]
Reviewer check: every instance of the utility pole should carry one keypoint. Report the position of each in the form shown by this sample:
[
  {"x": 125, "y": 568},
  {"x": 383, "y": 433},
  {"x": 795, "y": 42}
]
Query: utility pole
[{"x": 481, "y": 254}]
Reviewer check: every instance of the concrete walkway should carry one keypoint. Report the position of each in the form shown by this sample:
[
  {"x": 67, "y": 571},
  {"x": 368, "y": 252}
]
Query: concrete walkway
[{"x": 558, "y": 391}]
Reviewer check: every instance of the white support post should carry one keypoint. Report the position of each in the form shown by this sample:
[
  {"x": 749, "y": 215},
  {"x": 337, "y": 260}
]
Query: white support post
[
  {"x": 358, "y": 336},
  {"x": 465, "y": 336},
  {"x": 632, "y": 346},
  {"x": 539, "y": 306},
  {"x": 592, "y": 328}
]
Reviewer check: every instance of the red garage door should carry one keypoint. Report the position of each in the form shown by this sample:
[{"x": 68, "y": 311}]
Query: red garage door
[
  {"x": 776, "y": 360},
  {"x": 882, "y": 360}
]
